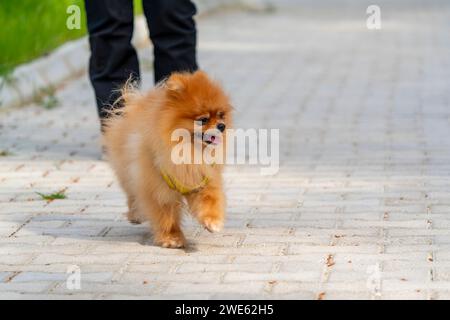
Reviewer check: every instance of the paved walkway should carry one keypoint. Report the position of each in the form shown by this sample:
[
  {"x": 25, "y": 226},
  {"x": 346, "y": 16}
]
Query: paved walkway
[{"x": 359, "y": 209}]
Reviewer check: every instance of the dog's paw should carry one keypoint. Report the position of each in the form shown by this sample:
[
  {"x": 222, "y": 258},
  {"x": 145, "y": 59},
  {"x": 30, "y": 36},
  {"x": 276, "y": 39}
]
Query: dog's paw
[
  {"x": 134, "y": 218},
  {"x": 212, "y": 224},
  {"x": 134, "y": 221},
  {"x": 171, "y": 241}
]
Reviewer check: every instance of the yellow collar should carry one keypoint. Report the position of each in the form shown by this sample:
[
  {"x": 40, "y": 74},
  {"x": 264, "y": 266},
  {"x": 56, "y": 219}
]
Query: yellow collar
[{"x": 176, "y": 185}]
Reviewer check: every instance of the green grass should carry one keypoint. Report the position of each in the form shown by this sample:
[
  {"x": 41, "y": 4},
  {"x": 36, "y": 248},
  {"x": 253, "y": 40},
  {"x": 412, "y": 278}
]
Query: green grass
[
  {"x": 32, "y": 28},
  {"x": 52, "y": 196}
]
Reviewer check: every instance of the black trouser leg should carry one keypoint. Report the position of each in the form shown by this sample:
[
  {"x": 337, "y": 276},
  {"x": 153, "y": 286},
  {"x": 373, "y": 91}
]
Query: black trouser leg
[
  {"x": 173, "y": 33},
  {"x": 113, "y": 58}
]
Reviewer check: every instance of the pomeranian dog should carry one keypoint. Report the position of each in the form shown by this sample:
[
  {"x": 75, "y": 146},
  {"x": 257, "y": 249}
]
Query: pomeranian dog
[{"x": 139, "y": 146}]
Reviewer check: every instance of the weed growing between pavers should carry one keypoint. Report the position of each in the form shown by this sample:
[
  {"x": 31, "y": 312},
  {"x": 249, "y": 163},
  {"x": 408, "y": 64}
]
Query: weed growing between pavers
[
  {"x": 5, "y": 153},
  {"x": 46, "y": 98},
  {"x": 52, "y": 196}
]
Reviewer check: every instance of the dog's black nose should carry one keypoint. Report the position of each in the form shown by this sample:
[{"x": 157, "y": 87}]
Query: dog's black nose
[{"x": 221, "y": 126}]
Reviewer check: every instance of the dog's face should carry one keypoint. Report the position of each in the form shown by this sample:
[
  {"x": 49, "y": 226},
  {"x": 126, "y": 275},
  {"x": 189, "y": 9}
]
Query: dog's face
[{"x": 199, "y": 105}]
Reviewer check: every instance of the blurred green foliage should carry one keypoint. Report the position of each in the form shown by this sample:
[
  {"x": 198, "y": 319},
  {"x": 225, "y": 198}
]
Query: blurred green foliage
[{"x": 32, "y": 28}]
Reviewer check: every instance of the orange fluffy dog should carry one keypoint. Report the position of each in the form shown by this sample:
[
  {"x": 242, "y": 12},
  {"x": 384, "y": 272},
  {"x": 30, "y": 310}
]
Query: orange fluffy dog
[{"x": 139, "y": 144}]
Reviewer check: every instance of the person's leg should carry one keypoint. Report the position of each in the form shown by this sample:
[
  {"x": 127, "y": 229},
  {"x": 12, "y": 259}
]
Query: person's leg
[
  {"x": 174, "y": 36},
  {"x": 113, "y": 58}
]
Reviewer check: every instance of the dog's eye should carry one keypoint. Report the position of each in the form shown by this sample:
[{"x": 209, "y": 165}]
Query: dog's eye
[{"x": 203, "y": 120}]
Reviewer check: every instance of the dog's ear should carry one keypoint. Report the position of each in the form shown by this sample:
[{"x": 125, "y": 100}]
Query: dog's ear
[{"x": 176, "y": 82}]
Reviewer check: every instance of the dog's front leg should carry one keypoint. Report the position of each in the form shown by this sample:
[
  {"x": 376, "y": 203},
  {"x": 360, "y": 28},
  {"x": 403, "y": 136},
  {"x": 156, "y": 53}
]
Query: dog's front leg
[{"x": 208, "y": 205}]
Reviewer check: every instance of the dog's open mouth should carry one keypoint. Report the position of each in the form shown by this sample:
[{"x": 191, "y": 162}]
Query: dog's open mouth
[{"x": 211, "y": 139}]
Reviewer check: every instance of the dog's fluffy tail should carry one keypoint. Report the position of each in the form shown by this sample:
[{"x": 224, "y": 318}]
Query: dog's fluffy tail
[{"x": 128, "y": 94}]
